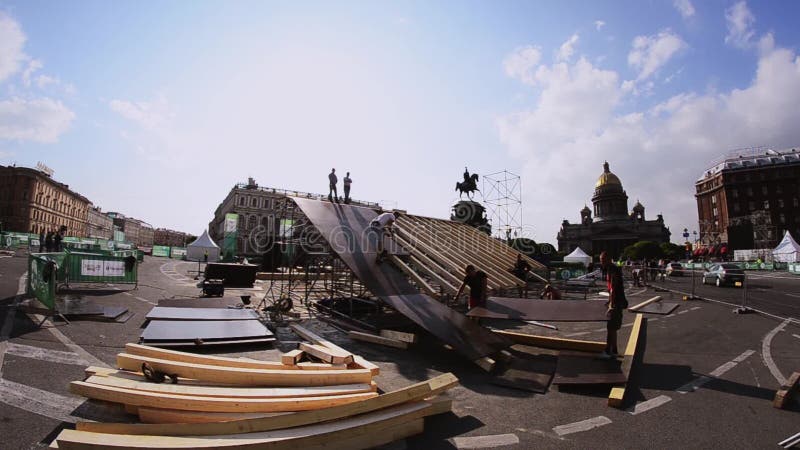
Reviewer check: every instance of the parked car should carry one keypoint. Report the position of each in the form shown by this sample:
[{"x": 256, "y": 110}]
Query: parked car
[
  {"x": 674, "y": 270},
  {"x": 724, "y": 274}
]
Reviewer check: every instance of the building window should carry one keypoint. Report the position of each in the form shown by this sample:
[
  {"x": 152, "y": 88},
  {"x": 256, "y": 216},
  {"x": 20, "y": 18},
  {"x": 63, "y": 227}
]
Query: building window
[
  {"x": 714, "y": 212},
  {"x": 779, "y": 189},
  {"x": 241, "y": 201},
  {"x": 782, "y": 218},
  {"x": 714, "y": 200},
  {"x": 796, "y": 202},
  {"x": 764, "y": 190},
  {"x": 780, "y": 203},
  {"x": 766, "y": 204}
]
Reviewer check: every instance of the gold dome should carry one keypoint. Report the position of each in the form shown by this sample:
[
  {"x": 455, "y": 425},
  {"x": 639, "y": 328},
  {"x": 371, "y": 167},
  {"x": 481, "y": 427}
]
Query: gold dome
[{"x": 607, "y": 178}]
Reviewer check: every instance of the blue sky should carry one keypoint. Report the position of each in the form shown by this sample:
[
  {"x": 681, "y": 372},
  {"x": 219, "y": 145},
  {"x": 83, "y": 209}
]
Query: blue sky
[{"x": 156, "y": 109}]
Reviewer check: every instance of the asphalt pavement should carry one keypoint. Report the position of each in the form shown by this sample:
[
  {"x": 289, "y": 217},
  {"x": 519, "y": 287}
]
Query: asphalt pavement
[{"x": 707, "y": 380}]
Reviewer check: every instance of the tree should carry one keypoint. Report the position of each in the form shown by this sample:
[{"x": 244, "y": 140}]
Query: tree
[
  {"x": 672, "y": 251},
  {"x": 643, "y": 250}
]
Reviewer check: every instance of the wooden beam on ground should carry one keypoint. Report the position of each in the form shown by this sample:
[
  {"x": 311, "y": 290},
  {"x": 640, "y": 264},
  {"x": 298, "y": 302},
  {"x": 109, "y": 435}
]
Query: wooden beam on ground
[
  {"x": 553, "y": 342},
  {"x": 410, "y": 338},
  {"x": 788, "y": 391},
  {"x": 232, "y": 392},
  {"x": 358, "y": 361},
  {"x": 171, "y": 416},
  {"x": 413, "y": 393},
  {"x": 249, "y": 377},
  {"x": 326, "y": 354},
  {"x": 317, "y": 436},
  {"x": 172, "y": 355},
  {"x": 633, "y": 352},
  {"x": 634, "y": 308},
  {"x": 214, "y": 404},
  {"x": 291, "y": 358},
  {"x": 377, "y": 340},
  {"x": 486, "y": 363}
]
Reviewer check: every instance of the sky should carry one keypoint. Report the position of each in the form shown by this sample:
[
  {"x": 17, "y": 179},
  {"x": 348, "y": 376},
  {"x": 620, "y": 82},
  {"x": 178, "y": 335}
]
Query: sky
[{"x": 157, "y": 109}]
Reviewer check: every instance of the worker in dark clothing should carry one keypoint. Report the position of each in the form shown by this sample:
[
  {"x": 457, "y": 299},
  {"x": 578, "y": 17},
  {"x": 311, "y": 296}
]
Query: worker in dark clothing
[
  {"x": 616, "y": 304},
  {"x": 57, "y": 242},
  {"x": 41, "y": 242},
  {"x": 522, "y": 269},
  {"x": 347, "y": 182},
  {"x": 477, "y": 281},
  {"x": 332, "y": 179},
  {"x": 48, "y": 242}
]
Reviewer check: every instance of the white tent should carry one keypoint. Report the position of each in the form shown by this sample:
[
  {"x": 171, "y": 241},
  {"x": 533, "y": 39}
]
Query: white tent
[
  {"x": 578, "y": 256},
  {"x": 787, "y": 251},
  {"x": 196, "y": 250}
]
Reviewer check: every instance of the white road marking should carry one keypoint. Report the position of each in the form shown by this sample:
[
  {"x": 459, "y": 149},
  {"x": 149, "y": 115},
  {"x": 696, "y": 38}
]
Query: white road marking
[
  {"x": 144, "y": 300},
  {"x": 796, "y": 335},
  {"x": 579, "y": 333},
  {"x": 45, "y": 354},
  {"x": 766, "y": 354},
  {"x": 128, "y": 293},
  {"x": 37, "y": 401},
  {"x": 497, "y": 440},
  {"x": 716, "y": 373},
  {"x": 694, "y": 308},
  {"x": 583, "y": 425},
  {"x": 649, "y": 404},
  {"x": 67, "y": 341},
  {"x": 684, "y": 311}
]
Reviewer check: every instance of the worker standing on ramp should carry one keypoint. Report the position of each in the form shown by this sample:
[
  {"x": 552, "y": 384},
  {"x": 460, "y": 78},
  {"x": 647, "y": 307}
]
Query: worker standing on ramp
[
  {"x": 333, "y": 179},
  {"x": 616, "y": 304},
  {"x": 477, "y": 281},
  {"x": 347, "y": 183},
  {"x": 383, "y": 225}
]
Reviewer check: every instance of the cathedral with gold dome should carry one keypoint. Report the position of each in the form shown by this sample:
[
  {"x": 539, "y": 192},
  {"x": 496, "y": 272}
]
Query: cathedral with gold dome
[{"x": 609, "y": 226}]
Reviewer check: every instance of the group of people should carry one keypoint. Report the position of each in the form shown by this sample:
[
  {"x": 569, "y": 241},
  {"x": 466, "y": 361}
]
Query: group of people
[
  {"x": 333, "y": 180},
  {"x": 50, "y": 242}
]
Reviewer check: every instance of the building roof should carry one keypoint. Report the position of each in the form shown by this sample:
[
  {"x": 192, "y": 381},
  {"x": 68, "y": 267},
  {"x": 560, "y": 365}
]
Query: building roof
[
  {"x": 49, "y": 179},
  {"x": 607, "y": 178},
  {"x": 752, "y": 158}
]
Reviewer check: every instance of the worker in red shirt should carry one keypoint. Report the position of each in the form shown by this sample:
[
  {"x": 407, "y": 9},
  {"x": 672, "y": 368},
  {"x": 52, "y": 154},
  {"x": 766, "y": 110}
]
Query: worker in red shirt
[{"x": 616, "y": 303}]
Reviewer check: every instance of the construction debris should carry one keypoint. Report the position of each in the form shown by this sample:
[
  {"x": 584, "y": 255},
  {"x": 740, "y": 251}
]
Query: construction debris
[{"x": 788, "y": 391}]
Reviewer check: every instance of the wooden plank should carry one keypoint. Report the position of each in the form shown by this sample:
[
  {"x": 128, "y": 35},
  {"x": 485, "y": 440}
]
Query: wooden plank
[
  {"x": 410, "y": 338},
  {"x": 553, "y": 342},
  {"x": 326, "y": 354},
  {"x": 634, "y": 308},
  {"x": 420, "y": 282},
  {"x": 291, "y": 358},
  {"x": 172, "y": 416},
  {"x": 377, "y": 340},
  {"x": 214, "y": 404},
  {"x": 324, "y": 435},
  {"x": 486, "y": 363},
  {"x": 231, "y": 392},
  {"x": 633, "y": 350},
  {"x": 438, "y": 269},
  {"x": 245, "y": 376},
  {"x": 413, "y": 393},
  {"x": 173, "y": 355},
  {"x": 358, "y": 361},
  {"x": 788, "y": 391}
]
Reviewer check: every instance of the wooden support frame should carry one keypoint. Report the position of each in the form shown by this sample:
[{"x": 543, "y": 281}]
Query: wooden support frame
[
  {"x": 414, "y": 393},
  {"x": 244, "y": 376},
  {"x": 358, "y": 361},
  {"x": 454, "y": 267},
  {"x": 433, "y": 269},
  {"x": 634, "y": 351},
  {"x": 366, "y": 337},
  {"x": 423, "y": 285},
  {"x": 327, "y": 354},
  {"x": 553, "y": 342}
]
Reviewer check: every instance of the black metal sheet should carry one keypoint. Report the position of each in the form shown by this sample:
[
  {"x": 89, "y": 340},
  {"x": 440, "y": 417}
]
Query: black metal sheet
[
  {"x": 588, "y": 369},
  {"x": 346, "y": 229},
  {"x": 542, "y": 310},
  {"x": 527, "y": 372},
  {"x": 182, "y": 330},
  {"x": 175, "y": 313},
  {"x": 234, "y": 275},
  {"x": 662, "y": 308}
]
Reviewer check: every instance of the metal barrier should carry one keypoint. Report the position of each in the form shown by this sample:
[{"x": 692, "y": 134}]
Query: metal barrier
[
  {"x": 161, "y": 251},
  {"x": 177, "y": 253},
  {"x": 100, "y": 268},
  {"x": 42, "y": 278}
]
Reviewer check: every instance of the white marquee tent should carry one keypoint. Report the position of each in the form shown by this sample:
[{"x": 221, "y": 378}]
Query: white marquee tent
[
  {"x": 197, "y": 249},
  {"x": 578, "y": 256},
  {"x": 787, "y": 251}
]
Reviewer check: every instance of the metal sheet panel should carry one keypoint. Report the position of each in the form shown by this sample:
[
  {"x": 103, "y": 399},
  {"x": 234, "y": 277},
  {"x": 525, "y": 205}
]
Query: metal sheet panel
[
  {"x": 181, "y": 330},
  {"x": 173, "y": 313},
  {"x": 542, "y": 310},
  {"x": 662, "y": 308}
]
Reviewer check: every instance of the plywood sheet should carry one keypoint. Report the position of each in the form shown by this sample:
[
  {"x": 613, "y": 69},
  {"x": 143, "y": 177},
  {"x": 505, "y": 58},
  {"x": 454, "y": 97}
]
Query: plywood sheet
[
  {"x": 181, "y": 330},
  {"x": 175, "y": 313}
]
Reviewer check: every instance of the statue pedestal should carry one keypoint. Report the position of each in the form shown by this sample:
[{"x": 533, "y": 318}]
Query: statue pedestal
[{"x": 471, "y": 213}]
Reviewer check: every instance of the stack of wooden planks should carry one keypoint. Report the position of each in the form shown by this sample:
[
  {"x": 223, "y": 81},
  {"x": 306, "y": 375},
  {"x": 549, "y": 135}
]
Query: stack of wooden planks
[{"x": 223, "y": 402}]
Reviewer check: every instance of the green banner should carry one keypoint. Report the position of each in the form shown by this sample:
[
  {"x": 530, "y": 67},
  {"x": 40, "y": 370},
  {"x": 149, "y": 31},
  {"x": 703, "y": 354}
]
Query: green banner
[
  {"x": 177, "y": 253},
  {"x": 42, "y": 273},
  {"x": 230, "y": 236},
  {"x": 100, "y": 268},
  {"x": 161, "y": 251}
]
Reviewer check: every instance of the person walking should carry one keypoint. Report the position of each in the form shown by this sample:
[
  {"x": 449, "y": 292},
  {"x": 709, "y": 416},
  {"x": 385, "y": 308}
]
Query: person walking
[
  {"x": 382, "y": 225},
  {"x": 41, "y": 241},
  {"x": 57, "y": 242},
  {"x": 616, "y": 304},
  {"x": 332, "y": 180},
  {"x": 347, "y": 183},
  {"x": 48, "y": 242},
  {"x": 477, "y": 280}
]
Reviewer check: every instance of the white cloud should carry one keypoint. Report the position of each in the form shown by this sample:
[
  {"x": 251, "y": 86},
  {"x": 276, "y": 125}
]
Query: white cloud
[
  {"x": 658, "y": 152},
  {"x": 567, "y": 49},
  {"x": 599, "y": 24},
  {"x": 12, "y": 40},
  {"x": 740, "y": 21},
  {"x": 33, "y": 66},
  {"x": 684, "y": 7},
  {"x": 39, "y": 120},
  {"x": 150, "y": 115},
  {"x": 649, "y": 53},
  {"x": 521, "y": 62}
]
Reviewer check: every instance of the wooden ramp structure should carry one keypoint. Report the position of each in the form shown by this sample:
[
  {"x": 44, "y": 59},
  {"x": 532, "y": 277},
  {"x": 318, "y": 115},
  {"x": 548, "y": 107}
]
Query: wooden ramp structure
[
  {"x": 203, "y": 411},
  {"x": 347, "y": 231}
]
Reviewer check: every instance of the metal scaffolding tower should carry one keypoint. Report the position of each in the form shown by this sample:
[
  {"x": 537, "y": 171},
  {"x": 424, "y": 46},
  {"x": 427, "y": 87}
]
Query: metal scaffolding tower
[{"x": 502, "y": 194}]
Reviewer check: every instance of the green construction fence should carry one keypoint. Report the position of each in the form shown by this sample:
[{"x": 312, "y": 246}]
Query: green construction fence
[
  {"x": 98, "y": 267},
  {"x": 42, "y": 278}
]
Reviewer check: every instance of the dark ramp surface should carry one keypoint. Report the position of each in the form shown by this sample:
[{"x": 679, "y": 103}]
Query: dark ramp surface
[
  {"x": 182, "y": 330},
  {"x": 577, "y": 369},
  {"x": 529, "y": 370},
  {"x": 346, "y": 229},
  {"x": 176, "y": 313},
  {"x": 543, "y": 310}
]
